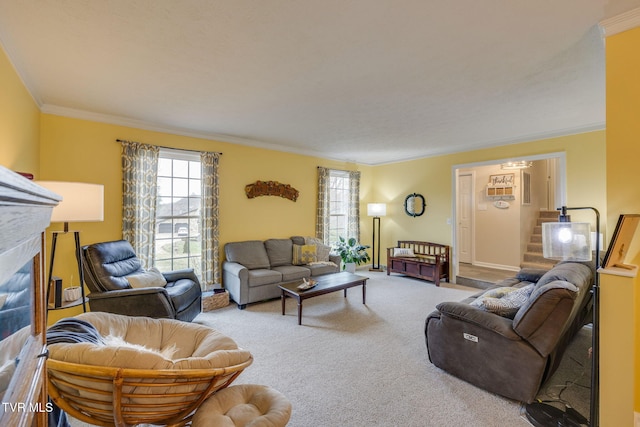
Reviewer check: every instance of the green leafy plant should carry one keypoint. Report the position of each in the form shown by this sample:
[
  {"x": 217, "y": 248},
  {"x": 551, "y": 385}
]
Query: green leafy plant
[{"x": 351, "y": 251}]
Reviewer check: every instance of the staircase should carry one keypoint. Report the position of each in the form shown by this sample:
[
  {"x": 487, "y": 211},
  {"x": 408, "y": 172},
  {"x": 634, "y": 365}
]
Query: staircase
[{"x": 533, "y": 256}]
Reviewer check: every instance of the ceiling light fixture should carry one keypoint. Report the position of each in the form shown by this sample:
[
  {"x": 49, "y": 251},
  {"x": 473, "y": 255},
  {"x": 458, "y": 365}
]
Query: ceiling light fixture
[{"x": 521, "y": 164}]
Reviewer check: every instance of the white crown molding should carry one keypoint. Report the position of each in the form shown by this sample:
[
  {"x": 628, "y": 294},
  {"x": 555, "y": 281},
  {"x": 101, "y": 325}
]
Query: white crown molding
[
  {"x": 140, "y": 124},
  {"x": 619, "y": 23}
]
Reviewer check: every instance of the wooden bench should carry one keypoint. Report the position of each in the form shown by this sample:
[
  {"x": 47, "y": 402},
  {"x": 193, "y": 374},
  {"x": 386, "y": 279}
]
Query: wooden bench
[{"x": 431, "y": 261}]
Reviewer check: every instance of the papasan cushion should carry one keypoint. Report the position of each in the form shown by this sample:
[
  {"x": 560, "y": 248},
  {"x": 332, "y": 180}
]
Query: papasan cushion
[
  {"x": 146, "y": 343},
  {"x": 246, "y": 405},
  {"x": 159, "y": 368}
]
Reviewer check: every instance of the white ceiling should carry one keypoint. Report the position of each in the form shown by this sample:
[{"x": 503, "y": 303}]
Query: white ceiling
[{"x": 370, "y": 81}]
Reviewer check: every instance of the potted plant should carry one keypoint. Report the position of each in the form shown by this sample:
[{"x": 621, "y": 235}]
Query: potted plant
[{"x": 352, "y": 253}]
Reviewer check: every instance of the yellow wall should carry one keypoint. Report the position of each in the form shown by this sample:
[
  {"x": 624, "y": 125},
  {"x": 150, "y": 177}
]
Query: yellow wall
[
  {"x": 85, "y": 151},
  {"x": 623, "y": 176},
  {"x": 432, "y": 177},
  {"x": 19, "y": 122}
]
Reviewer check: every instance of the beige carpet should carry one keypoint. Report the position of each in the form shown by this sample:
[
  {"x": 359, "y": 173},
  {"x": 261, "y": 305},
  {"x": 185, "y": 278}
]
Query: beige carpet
[
  {"x": 351, "y": 364},
  {"x": 359, "y": 365}
]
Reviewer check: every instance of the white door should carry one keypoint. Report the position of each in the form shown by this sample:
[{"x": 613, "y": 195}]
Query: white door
[{"x": 465, "y": 219}]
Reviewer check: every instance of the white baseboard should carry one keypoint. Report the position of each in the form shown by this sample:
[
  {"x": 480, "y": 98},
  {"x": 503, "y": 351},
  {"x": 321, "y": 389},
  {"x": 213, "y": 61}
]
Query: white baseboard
[
  {"x": 636, "y": 418},
  {"x": 497, "y": 266}
]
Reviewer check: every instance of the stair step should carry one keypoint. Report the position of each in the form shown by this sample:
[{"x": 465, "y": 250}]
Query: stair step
[
  {"x": 549, "y": 214},
  {"x": 536, "y": 238},
  {"x": 539, "y": 266},
  {"x": 534, "y": 247},
  {"x": 534, "y": 257}
]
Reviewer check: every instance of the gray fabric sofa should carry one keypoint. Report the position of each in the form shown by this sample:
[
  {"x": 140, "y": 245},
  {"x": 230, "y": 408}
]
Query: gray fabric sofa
[
  {"x": 253, "y": 269},
  {"x": 508, "y": 356}
]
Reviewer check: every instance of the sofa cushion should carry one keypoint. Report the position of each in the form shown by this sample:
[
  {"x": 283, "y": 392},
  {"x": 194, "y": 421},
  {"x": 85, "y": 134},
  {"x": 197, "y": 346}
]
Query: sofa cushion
[
  {"x": 261, "y": 277},
  {"x": 322, "y": 267},
  {"x": 304, "y": 254},
  {"x": 292, "y": 272},
  {"x": 250, "y": 254},
  {"x": 504, "y": 301},
  {"x": 279, "y": 251}
]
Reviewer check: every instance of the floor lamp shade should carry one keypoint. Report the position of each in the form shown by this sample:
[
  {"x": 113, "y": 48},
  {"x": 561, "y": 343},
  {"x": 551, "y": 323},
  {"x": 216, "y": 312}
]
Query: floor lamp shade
[
  {"x": 376, "y": 210},
  {"x": 566, "y": 241},
  {"x": 81, "y": 202}
]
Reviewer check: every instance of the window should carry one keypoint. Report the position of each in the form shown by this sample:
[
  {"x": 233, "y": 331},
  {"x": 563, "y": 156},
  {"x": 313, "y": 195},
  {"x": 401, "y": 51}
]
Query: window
[
  {"x": 178, "y": 211},
  {"x": 338, "y": 204}
]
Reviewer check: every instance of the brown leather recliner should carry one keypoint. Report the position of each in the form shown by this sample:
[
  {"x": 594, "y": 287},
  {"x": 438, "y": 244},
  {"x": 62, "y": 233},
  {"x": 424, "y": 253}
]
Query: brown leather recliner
[
  {"x": 106, "y": 267},
  {"x": 513, "y": 356}
]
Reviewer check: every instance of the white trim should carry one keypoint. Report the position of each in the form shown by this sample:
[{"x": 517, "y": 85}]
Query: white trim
[
  {"x": 140, "y": 124},
  {"x": 561, "y": 184},
  {"x": 178, "y": 154},
  {"x": 637, "y": 419},
  {"x": 619, "y": 23}
]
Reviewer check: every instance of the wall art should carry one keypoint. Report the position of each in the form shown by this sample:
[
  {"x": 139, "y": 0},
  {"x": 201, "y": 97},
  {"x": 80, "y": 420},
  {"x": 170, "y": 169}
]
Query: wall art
[{"x": 271, "y": 188}]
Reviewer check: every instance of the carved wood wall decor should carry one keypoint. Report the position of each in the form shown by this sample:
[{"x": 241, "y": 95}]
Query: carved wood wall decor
[{"x": 271, "y": 188}]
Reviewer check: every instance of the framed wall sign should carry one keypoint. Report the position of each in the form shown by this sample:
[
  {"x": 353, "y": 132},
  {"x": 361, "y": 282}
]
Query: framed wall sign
[{"x": 504, "y": 180}]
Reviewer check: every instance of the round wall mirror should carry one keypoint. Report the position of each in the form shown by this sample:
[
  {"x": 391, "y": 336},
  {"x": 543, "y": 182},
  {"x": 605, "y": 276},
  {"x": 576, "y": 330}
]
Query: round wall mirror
[{"x": 414, "y": 204}]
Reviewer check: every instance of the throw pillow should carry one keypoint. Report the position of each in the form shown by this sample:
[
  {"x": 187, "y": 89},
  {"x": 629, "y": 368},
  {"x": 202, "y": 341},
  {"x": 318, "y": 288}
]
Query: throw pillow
[
  {"x": 151, "y": 278},
  {"x": 403, "y": 252},
  {"x": 504, "y": 301},
  {"x": 304, "y": 254},
  {"x": 322, "y": 251}
]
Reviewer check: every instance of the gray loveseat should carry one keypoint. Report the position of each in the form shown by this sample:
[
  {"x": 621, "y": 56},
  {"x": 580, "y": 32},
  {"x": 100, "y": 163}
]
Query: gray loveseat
[
  {"x": 253, "y": 269},
  {"x": 512, "y": 355}
]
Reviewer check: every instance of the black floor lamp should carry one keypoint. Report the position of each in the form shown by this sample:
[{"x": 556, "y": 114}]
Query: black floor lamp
[
  {"x": 571, "y": 241},
  {"x": 376, "y": 210},
  {"x": 81, "y": 202}
]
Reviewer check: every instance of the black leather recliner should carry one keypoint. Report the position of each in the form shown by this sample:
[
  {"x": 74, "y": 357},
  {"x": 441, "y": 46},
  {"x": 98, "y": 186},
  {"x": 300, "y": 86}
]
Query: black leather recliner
[{"x": 106, "y": 267}]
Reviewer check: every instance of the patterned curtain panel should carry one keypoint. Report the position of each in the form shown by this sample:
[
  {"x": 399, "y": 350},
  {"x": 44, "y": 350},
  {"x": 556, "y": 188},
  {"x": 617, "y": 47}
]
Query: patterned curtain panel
[
  {"x": 139, "y": 195},
  {"x": 353, "y": 224},
  {"x": 210, "y": 220},
  {"x": 322, "y": 214}
]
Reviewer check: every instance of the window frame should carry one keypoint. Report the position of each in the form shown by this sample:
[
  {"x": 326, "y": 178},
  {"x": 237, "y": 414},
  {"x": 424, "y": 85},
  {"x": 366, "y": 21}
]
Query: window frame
[{"x": 188, "y": 260}]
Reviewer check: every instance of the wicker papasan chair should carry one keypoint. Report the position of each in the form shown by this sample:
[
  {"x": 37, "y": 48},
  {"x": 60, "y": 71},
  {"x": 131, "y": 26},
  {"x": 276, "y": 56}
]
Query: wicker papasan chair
[{"x": 141, "y": 370}]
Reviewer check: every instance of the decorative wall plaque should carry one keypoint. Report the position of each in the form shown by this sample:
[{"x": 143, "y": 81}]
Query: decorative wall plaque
[{"x": 271, "y": 188}]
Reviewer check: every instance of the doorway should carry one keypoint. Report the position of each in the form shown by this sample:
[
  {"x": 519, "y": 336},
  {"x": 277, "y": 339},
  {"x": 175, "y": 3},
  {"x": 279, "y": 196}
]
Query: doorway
[{"x": 469, "y": 199}]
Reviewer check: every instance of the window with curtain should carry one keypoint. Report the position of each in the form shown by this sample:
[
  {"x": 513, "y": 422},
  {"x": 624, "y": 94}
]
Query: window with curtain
[
  {"x": 178, "y": 211},
  {"x": 338, "y": 205},
  {"x": 170, "y": 209}
]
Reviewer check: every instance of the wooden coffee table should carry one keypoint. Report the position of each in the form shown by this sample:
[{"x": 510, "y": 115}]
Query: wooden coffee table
[{"x": 326, "y": 284}]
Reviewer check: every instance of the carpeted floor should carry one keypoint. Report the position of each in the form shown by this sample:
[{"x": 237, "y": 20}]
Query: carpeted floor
[
  {"x": 351, "y": 364},
  {"x": 358, "y": 365}
]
